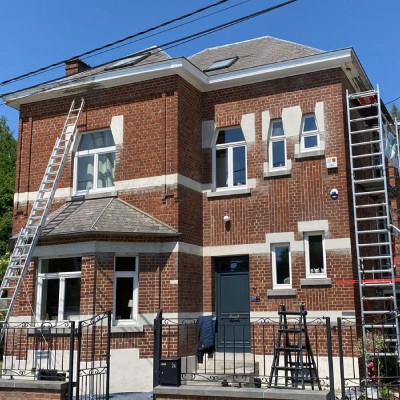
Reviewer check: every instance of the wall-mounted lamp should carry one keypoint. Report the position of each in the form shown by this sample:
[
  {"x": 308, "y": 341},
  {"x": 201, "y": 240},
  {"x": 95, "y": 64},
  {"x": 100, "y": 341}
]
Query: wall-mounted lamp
[{"x": 227, "y": 218}]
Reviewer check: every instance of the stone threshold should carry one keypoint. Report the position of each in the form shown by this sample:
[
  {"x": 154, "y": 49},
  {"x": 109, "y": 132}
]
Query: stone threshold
[{"x": 243, "y": 393}]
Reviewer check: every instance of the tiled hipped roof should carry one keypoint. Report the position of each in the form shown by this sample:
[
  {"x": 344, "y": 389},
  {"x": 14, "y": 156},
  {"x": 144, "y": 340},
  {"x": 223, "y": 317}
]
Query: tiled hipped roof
[
  {"x": 251, "y": 53},
  {"x": 104, "y": 215}
]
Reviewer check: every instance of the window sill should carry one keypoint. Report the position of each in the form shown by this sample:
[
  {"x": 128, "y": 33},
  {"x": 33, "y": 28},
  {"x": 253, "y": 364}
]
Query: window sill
[
  {"x": 127, "y": 328},
  {"x": 94, "y": 195},
  {"x": 229, "y": 192},
  {"x": 309, "y": 154},
  {"x": 281, "y": 292},
  {"x": 316, "y": 282},
  {"x": 277, "y": 173}
]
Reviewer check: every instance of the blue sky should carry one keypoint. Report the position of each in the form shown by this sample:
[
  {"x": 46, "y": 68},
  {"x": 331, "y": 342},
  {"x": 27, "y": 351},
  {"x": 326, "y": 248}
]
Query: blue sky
[{"x": 38, "y": 33}]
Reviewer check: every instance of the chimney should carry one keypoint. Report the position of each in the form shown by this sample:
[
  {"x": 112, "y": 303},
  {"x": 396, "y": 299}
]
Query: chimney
[{"x": 74, "y": 66}]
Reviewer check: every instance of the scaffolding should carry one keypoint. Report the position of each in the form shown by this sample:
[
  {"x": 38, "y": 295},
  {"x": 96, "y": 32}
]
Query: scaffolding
[{"x": 374, "y": 163}]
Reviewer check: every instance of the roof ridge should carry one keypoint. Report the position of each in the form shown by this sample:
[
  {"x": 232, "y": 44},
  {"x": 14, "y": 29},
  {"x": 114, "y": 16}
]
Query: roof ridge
[
  {"x": 254, "y": 39},
  {"x": 101, "y": 214}
]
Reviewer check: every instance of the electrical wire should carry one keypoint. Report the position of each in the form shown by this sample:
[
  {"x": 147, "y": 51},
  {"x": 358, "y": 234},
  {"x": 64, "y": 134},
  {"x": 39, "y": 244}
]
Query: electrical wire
[
  {"x": 392, "y": 101},
  {"x": 169, "y": 22},
  {"x": 59, "y": 65},
  {"x": 185, "y": 39}
]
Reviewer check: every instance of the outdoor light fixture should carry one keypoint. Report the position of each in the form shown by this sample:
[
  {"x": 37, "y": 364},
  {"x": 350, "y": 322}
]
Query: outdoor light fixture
[{"x": 227, "y": 218}]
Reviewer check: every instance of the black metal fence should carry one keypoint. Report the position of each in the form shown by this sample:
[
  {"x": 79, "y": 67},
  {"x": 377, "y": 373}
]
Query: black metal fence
[
  {"x": 347, "y": 364},
  {"x": 75, "y": 352}
]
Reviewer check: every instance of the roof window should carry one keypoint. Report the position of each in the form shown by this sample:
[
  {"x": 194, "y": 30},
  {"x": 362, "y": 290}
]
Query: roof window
[
  {"x": 221, "y": 64},
  {"x": 129, "y": 61}
]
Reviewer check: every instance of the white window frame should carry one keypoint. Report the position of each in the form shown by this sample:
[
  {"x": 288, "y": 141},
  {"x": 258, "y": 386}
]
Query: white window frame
[
  {"x": 135, "y": 295},
  {"x": 229, "y": 147},
  {"x": 310, "y": 274},
  {"x": 275, "y": 284},
  {"x": 309, "y": 134},
  {"x": 61, "y": 276},
  {"x": 274, "y": 139},
  {"x": 95, "y": 153}
]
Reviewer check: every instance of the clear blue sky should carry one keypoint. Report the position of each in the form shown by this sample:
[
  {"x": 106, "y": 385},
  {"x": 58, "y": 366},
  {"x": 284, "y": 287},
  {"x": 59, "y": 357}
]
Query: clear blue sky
[{"x": 37, "y": 33}]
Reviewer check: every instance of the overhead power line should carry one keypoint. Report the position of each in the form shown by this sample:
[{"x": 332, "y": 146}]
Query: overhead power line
[
  {"x": 86, "y": 53},
  {"x": 51, "y": 68},
  {"x": 194, "y": 36}
]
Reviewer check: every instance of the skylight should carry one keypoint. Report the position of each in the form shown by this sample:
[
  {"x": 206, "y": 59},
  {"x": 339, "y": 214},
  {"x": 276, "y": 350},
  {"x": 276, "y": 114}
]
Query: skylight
[
  {"x": 221, "y": 64},
  {"x": 130, "y": 61}
]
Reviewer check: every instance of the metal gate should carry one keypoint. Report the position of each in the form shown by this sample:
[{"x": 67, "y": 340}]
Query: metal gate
[{"x": 93, "y": 358}]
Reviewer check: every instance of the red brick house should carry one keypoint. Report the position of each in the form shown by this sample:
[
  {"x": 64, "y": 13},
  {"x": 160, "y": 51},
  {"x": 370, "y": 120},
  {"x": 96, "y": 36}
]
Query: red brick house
[{"x": 197, "y": 185}]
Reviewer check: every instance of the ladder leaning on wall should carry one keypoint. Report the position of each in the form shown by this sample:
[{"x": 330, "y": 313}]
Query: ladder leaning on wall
[
  {"x": 29, "y": 235},
  {"x": 373, "y": 148}
]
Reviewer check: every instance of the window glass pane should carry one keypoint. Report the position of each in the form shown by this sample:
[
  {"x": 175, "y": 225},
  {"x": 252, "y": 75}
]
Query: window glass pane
[
  {"x": 278, "y": 154},
  {"x": 222, "y": 167},
  {"x": 50, "y": 296},
  {"x": 105, "y": 176},
  {"x": 230, "y": 136},
  {"x": 316, "y": 256},
  {"x": 85, "y": 172},
  {"x": 239, "y": 166},
  {"x": 124, "y": 293},
  {"x": 310, "y": 124},
  {"x": 125, "y": 263},
  {"x": 282, "y": 265},
  {"x": 55, "y": 265},
  {"x": 310, "y": 141},
  {"x": 96, "y": 140},
  {"x": 232, "y": 265},
  {"x": 72, "y": 297},
  {"x": 277, "y": 129}
]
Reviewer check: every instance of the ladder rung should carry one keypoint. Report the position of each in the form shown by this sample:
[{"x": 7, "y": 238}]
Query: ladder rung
[
  {"x": 374, "y": 244},
  {"x": 372, "y": 231},
  {"x": 376, "y": 312},
  {"x": 367, "y": 155},
  {"x": 364, "y": 118},
  {"x": 365, "y": 130},
  {"x": 369, "y": 180},
  {"x": 378, "y": 298},
  {"x": 377, "y": 167},
  {"x": 365, "y": 193},
  {"x": 376, "y": 257},
  {"x": 371, "y": 205},
  {"x": 364, "y": 143},
  {"x": 361, "y": 107},
  {"x": 379, "y": 326}
]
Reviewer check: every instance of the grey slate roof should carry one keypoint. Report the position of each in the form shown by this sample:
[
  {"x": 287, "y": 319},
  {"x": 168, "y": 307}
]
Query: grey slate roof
[
  {"x": 252, "y": 53},
  {"x": 104, "y": 215}
]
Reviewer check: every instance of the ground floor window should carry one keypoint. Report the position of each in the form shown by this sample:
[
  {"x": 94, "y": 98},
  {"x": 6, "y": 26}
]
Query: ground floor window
[
  {"x": 315, "y": 254},
  {"x": 59, "y": 288},
  {"x": 281, "y": 269},
  {"x": 125, "y": 288}
]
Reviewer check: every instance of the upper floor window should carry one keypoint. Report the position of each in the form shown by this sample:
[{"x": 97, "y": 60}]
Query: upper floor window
[
  {"x": 309, "y": 133},
  {"x": 281, "y": 268},
  {"x": 315, "y": 254},
  {"x": 229, "y": 156},
  {"x": 277, "y": 145},
  {"x": 95, "y": 161}
]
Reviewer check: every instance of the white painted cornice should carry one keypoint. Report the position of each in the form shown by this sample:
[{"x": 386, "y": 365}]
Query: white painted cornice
[{"x": 100, "y": 78}]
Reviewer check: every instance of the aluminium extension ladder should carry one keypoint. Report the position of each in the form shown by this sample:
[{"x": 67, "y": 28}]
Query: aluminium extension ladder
[
  {"x": 368, "y": 139},
  {"x": 293, "y": 347},
  {"x": 29, "y": 235}
]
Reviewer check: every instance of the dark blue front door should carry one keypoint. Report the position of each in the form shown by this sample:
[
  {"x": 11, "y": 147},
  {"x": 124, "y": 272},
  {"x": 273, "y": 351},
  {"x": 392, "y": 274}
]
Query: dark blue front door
[{"x": 232, "y": 303}]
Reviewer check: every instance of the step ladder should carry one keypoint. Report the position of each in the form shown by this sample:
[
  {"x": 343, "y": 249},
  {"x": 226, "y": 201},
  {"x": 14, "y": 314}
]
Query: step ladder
[
  {"x": 293, "y": 348},
  {"x": 370, "y": 140},
  {"x": 29, "y": 235}
]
